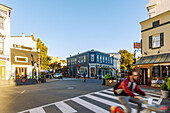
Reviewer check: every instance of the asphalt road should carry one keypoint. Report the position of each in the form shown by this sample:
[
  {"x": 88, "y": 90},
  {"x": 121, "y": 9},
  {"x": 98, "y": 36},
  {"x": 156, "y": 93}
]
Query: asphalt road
[
  {"x": 62, "y": 96},
  {"x": 19, "y": 98}
]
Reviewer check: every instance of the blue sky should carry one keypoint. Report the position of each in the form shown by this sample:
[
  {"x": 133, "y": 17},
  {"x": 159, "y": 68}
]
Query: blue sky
[{"x": 71, "y": 26}]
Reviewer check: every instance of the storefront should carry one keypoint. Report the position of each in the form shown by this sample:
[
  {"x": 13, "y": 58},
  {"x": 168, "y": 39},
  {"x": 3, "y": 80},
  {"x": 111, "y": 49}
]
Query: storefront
[
  {"x": 5, "y": 69},
  {"x": 24, "y": 64},
  {"x": 153, "y": 68}
]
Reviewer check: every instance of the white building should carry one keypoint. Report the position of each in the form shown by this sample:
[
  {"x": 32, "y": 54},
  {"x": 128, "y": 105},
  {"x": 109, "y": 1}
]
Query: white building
[
  {"x": 156, "y": 7},
  {"x": 23, "y": 52},
  {"x": 5, "y": 67},
  {"x": 118, "y": 57}
]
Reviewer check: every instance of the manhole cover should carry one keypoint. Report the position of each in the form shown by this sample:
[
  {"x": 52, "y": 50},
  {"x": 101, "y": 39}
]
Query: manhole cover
[{"x": 70, "y": 88}]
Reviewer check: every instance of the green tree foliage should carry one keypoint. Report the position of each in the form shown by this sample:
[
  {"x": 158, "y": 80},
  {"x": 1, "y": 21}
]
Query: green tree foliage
[
  {"x": 126, "y": 60},
  {"x": 43, "y": 54}
]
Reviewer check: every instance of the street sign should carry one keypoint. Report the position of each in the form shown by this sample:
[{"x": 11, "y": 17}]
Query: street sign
[{"x": 137, "y": 45}]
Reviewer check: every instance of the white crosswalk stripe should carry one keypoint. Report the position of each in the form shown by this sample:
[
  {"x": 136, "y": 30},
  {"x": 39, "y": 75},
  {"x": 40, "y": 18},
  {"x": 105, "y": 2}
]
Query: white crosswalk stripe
[
  {"x": 101, "y": 96},
  {"x": 65, "y": 108},
  {"x": 90, "y": 106}
]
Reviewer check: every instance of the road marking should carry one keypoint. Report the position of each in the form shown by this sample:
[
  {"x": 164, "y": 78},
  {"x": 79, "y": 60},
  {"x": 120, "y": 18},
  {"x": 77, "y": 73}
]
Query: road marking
[
  {"x": 68, "y": 109},
  {"x": 65, "y": 108},
  {"x": 37, "y": 110},
  {"x": 110, "y": 103},
  {"x": 22, "y": 92},
  {"x": 108, "y": 92},
  {"x": 90, "y": 106},
  {"x": 153, "y": 94}
]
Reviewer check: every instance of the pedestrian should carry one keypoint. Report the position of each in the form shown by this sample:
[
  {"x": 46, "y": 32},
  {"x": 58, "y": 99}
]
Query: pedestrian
[{"x": 84, "y": 77}]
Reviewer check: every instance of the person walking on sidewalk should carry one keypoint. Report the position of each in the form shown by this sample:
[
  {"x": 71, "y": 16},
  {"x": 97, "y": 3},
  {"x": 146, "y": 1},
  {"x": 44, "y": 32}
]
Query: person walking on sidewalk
[
  {"x": 84, "y": 77},
  {"x": 125, "y": 92}
]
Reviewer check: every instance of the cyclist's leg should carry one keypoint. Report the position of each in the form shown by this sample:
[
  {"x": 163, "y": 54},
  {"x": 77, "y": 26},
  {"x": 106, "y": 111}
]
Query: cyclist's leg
[
  {"x": 124, "y": 100},
  {"x": 136, "y": 101}
]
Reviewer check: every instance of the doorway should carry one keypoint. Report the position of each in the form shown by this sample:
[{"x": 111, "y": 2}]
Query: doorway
[
  {"x": 2, "y": 72},
  {"x": 92, "y": 71},
  {"x": 144, "y": 76}
]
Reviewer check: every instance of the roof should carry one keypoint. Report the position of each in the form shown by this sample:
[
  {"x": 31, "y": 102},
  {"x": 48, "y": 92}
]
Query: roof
[
  {"x": 162, "y": 58},
  {"x": 155, "y": 16},
  {"x": 87, "y": 52},
  {"x": 6, "y": 7}
]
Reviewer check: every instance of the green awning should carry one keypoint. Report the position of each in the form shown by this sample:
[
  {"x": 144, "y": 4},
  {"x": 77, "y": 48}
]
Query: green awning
[{"x": 162, "y": 58}]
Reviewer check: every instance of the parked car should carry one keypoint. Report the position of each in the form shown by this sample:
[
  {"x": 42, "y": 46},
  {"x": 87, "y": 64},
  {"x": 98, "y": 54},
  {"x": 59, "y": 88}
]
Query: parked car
[{"x": 58, "y": 75}]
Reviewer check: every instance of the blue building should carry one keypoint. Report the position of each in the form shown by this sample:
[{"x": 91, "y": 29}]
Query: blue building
[{"x": 92, "y": 63}]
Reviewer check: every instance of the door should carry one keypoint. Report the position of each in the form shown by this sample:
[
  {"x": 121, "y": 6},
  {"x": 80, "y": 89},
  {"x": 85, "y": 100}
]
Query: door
[
  {"x": 2, "y": 72},
  {"x": 144, "y": 76},
  {"x": 92, "y": 71}
]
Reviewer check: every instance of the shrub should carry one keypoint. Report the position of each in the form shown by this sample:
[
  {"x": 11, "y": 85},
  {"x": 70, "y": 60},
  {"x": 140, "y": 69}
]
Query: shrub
[
  {"x": 107, "y": 76},
  {"x": 163, "y": 86},
  {"x": 166, "y": 85}
]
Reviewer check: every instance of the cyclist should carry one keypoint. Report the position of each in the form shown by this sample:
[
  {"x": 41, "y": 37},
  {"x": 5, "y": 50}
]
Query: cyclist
[{"x": 125, "y": 92}]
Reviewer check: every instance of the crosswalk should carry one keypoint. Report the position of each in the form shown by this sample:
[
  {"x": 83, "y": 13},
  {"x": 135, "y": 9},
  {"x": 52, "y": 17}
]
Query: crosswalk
[{"x": 98, "y": 102}]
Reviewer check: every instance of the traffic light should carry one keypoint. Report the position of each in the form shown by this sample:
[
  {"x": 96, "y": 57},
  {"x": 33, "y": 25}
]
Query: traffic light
[
  {"x": 134, "y": 61},
  {"x": 79, "y": 65},
  {"x": 99, "y": 67}
]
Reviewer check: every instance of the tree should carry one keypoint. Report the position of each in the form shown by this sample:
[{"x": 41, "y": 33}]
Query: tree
[
  {"x": 43, "y": 54},
  {"x": 126, "y": 60}
]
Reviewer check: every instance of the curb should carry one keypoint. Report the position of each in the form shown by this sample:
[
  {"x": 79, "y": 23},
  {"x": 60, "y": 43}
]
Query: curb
[{"x": 7, "y": 86}]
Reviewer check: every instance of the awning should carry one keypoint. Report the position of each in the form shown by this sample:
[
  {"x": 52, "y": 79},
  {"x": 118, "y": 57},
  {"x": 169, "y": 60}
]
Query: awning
[{"x": 162, "y": 58}]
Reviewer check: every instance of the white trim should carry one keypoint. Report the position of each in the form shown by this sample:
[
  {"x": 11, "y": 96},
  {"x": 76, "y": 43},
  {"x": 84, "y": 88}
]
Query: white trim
[{"x": 21, "y": 57}]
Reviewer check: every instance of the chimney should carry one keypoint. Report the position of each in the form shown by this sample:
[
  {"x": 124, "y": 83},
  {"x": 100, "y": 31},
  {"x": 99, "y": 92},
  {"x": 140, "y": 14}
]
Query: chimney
[{"x": 23, "y": 35}]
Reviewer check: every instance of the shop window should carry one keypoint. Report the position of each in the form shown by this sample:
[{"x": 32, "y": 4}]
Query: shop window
[
  {"x": 156, "y": 72},
  {"x": 1, "y": 45},
  {"x": 156, "y": 41}
]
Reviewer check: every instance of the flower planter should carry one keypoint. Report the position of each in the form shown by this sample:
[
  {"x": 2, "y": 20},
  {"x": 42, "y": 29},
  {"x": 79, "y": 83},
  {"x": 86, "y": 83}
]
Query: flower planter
[
  {"x": 43, "y": 80},
  {"x": 165, "y": 94},
  {"x": 25, "y": 81},
  {"x": 111, "y": 82}
]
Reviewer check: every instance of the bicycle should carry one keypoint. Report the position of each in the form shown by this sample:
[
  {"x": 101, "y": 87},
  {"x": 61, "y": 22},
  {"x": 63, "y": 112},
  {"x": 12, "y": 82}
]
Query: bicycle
[{"x": 149, "y": 107}]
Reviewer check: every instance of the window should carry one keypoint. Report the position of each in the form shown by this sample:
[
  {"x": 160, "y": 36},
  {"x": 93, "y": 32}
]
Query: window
[
  {"x": 21, "y": 59},
  {"x": 75, "y": 60},
  {"x": 106, "y": 59},
  {"x": 111, "y": 60},
  {"x": 100, "y": 59},
  {"x": 103, "y": 59},
  {"x": 97, "y": 58},
  {"x": 156, "y": 41},
  {"x": 1, "y": 23},
  {"x": 1, "y": 45},
  {"x": 155, "y": 24},
  {"x": 92, "y": 57},
  {"x": 84, "y": 58}
]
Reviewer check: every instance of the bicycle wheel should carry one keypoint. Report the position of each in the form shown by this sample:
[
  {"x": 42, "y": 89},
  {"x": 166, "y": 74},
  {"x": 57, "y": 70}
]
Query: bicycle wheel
[{"x": 116, "y": 109}]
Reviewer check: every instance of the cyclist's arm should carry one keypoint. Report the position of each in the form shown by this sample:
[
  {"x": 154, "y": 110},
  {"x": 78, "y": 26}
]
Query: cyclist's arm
[
  {"x": 139, "y": 91},
  {"x": 126, "y": 88}
]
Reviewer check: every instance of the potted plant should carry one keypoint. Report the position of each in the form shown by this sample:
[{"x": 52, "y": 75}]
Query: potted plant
[
  {"x": 165, "y": 88},
  {"x": 109, "y": 80}
]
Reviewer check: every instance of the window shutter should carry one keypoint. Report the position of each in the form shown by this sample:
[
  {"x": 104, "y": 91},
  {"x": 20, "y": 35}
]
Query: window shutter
[
  {"x": 141, "y": 46},
  {"x": 150, "y": 42},
  {"x": 162, "y": 39}
]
